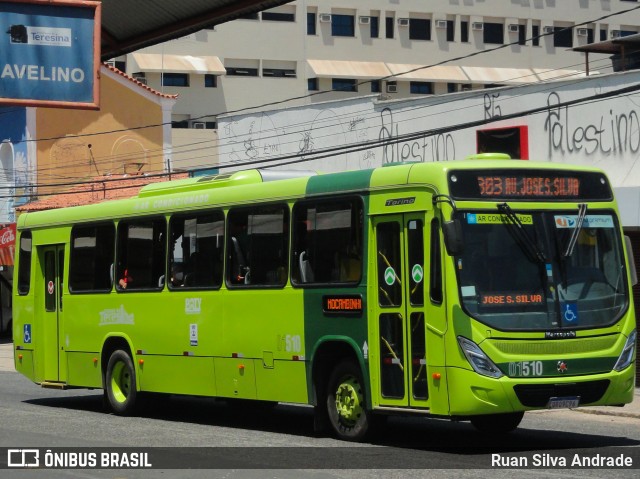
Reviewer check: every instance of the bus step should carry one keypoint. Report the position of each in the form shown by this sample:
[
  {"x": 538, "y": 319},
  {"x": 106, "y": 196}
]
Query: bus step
[{"x": 53, "y": 385}]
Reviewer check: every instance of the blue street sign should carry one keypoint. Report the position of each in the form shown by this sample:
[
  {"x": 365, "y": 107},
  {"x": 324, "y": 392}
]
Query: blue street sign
[{"x": 47, "y": 53}]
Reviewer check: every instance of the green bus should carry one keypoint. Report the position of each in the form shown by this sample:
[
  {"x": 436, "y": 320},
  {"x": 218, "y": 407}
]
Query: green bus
[{"x": 472, "y": 290}]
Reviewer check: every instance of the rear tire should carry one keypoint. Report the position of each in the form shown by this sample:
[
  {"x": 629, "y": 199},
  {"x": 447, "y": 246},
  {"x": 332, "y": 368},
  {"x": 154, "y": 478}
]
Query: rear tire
[
  {"x": 121, "y": 383},
  {"x": 346, "y": 403},
  {"x": 497, "y": 423}
]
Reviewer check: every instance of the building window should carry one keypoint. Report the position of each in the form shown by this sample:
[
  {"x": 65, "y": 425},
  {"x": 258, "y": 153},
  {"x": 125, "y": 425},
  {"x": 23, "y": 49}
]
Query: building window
[
  {"x": 91, "y": 258},
  {"x": 242, "y": 71},
  {"x": 182, "y": 124},
  {"x": 249, "y": 16},
  {"x": 464, "y": 32},
  {"x": 342, "y": 25},
  {"x": 210, "y": 81},
  {"x": 344, "y": 84},
  {"x": 278, "y": 72},
  {"x": 175, "y": 79},
  {"x": 590, "y": 35},
  {"x": 603, "y": 34},
  {"x": 388, "y": 23},
  {"x": 374, "y": 27},
  {"x": 278, "y": 17},
  {"x": 493, "y": 33},
  {"x": 450, "y": 30},
  {"x": 562, "y": 37},
  {"x": 419, "y": 29},
  {"x": 311, "y": 23},
  {"x": 312, "y": 84},
  {"x": 376, "y": 86},
  {"x": 421, "y": 88},
  {"x": 535, "y": 31},
  {"x": 522, "y": 37},
  {"x": 452, "y": 87}
]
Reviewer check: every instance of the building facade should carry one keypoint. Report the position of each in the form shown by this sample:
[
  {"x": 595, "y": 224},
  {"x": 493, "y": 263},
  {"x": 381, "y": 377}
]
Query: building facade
[{"x": 310, "y": 51}]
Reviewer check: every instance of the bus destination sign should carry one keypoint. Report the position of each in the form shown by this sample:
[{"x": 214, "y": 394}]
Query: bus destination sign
[{"x": 529, "y": 185}]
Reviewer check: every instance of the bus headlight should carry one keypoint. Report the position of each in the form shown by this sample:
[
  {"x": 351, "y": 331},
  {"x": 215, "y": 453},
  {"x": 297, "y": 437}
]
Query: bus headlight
[
  {"x": 626, "y": 357},
  {"x": 479, "y": 361}
]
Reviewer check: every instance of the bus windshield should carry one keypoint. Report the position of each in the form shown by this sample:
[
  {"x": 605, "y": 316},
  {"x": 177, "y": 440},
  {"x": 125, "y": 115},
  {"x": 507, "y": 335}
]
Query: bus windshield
[{"x": 520, "y": 273}]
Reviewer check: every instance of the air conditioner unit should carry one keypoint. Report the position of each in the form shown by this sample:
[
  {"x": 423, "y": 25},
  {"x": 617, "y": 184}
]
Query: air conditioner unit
[
  {"x": 403, "y": 22},
  {"x": 441, "y": 24},
  {"x": 548, "y": 30},
  {"x": 111, "y": 63},
  {"x": 477, "y": 26},
  {"x": 325, "y": 18},
  {"x": 514, "y": 28},
  {"x": 392, "y": 88},
  {"x": 364, "y": 20},
  {"x": 199, "y": 125},
  {"x": 583, "y": 32},
  {"x": 615, "y": 33}
]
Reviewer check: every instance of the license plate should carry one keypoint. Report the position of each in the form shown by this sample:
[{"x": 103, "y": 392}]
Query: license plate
[{"x": 564, "y": 402}]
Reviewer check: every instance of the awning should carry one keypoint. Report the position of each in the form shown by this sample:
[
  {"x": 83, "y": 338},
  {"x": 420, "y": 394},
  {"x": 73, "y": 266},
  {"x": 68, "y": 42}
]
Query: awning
[
  {"x": 500, "y": 75},
  {"x": 545, "y": 74},
  {"x": 151, "y": 62},
  {"x": 345, "y": 69},
  {"x": 442, "y": 73}
]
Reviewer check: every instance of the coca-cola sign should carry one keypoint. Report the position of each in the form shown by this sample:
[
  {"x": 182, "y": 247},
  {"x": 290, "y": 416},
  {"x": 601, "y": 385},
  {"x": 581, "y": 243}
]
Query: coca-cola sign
[
  {"x": 7, "y": 244},
  {"x": 8, "y": 235}
]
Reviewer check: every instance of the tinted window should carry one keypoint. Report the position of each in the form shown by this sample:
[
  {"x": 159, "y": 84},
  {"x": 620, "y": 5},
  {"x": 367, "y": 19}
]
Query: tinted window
[
  {"x": 196, "y": 251},
  {"x": 257, "y": 246},
  {"x": 327, "y": 240},
  {"x": 141, "y": 254},
  {"x": 419, "y": 29},
  {"x": 342, "y": 25},
  {"x": 493, "y": 33},
  {"x": 91, "y": 260},
  {"x": 24, "y": 271}
]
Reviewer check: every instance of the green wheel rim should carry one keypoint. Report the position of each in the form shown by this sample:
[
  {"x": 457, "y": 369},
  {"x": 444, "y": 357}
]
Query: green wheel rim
[
  {"x": 120, "y": 382},
  {"x": 349, "y": 401}
]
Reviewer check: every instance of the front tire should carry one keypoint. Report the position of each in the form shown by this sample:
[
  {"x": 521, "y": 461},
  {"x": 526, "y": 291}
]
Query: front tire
[
  {"x": 121, "y": 383},
  {"x": 497, "y": 423},
  {"x": 346, "y": 404}
]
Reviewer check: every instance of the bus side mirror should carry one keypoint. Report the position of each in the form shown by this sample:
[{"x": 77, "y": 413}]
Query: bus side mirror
[{"x": 452, "y": 231}]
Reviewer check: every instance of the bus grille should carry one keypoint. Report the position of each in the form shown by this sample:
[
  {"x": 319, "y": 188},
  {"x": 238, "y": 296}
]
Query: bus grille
[
  {"x": 538, "y": 395},
  {"x": 563, "y": 346}
]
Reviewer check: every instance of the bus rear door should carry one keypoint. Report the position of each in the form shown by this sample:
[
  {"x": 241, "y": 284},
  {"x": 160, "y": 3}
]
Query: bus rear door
[
  {"x": 399, "y": 305},
  {"x": 50, "y": 308}
]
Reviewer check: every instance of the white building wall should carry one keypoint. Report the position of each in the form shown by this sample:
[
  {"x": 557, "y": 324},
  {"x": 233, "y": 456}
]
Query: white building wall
[{"x": 604, "y": 133}]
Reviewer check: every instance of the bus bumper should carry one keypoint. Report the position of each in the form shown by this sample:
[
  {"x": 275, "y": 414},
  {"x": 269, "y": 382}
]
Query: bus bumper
[{"x": 471, "y": 393}]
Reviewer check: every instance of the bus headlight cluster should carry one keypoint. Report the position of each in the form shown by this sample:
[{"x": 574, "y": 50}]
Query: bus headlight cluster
[
  {"x": 626, "y": 357},
  {"x": 479, "y": 361}
]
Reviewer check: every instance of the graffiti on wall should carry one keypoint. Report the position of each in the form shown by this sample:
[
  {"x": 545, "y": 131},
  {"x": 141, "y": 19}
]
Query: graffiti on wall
[{"x": 607, "y": 133}]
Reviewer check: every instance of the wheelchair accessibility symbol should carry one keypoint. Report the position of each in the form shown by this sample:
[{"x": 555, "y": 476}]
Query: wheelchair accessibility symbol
[
  {"x": 27, "y": 333},
  {"x": 570, "y": 312}
]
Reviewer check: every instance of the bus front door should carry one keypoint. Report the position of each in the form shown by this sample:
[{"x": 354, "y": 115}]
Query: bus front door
[
  {"x": 51, "y": 308},
  {"x": 399, "y": 346}
]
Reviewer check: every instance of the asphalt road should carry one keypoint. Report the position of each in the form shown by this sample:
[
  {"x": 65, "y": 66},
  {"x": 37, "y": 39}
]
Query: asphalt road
[{"x": 280, "y": 443}]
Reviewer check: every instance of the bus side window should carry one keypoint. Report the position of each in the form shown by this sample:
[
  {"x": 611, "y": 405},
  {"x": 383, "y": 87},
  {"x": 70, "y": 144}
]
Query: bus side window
[
  {"x": 24, "y": 269},
  {"x": 258, "y": 246},
  {"x": 327, "y": 241},
  {"x": 141, "y": 254},
  {"x": 196, "y": 250}
]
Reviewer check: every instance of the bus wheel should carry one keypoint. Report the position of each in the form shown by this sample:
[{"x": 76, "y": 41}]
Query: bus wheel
[
  {"x": 121, "y": 383},
  {"x": 497, "y": 423},
  {"x": 346, "y": 402}
]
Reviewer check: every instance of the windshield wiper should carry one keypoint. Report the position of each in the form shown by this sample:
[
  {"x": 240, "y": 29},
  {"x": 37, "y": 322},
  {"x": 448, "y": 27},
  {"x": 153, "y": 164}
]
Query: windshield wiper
[
  {"x": 582, "y": 212},
  {"x": 530, "y": 248}
]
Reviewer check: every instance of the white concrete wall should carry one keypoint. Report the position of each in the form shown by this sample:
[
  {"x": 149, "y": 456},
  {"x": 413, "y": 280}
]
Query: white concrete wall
[{"x": 605, "y": 134}]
